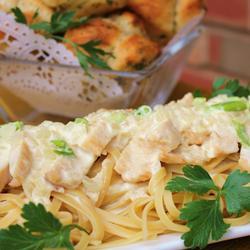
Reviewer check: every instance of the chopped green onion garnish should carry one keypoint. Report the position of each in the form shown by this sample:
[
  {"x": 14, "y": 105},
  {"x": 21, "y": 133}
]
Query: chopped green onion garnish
[
  {"x": 62, "y": 148},
  {"x": 117, "y": 117},
  {"x": 242, "y": 133},
  {"x": 143, "y": 110},
  {"x": 19, "y": 125},
  {"x": 83, "y": 121},
  {"x": 199, "y": 101},
  {"x": 231, "y": 106}
]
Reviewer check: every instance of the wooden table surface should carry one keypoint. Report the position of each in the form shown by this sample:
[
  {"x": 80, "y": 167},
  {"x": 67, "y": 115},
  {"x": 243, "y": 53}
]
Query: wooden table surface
[{"x": 20, "y": 109}]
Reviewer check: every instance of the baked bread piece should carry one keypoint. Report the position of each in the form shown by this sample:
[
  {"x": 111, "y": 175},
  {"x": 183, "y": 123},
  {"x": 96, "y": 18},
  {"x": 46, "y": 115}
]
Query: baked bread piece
[
  {"x": 7, "y": 5},
  {"x": 121, "y": 35},
  {"x": 186, "y": 10},
  {"x": 166, "y": 17},
  {"x": 28, "y": 7},
  {"x": 158, "y": 15},
  {"x": 88, "y": 7}
]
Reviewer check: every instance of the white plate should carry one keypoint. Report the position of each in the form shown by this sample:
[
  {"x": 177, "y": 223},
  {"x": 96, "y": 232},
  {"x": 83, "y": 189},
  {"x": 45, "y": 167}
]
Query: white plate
[{"x": 174, "y": 242}]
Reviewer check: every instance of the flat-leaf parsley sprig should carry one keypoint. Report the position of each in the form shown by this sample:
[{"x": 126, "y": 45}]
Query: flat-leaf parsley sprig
[
  {"x": 87, "y": 54},
  {"x": 40, "y": 230},
  {"x": 229, "y": 87},
  {"x": 204, "y": 217}
]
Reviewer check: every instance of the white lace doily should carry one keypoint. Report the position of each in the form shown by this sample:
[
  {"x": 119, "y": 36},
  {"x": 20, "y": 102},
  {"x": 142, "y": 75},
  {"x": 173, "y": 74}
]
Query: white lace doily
[
  {"x": 50, "y": 87},
  {"x": 23, "y": 43},
  {"x": 47, "y": 86}
]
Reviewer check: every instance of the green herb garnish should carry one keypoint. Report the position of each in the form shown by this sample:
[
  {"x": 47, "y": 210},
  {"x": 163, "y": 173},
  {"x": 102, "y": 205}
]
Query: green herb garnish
[
  {"x": 117, "y": 117},
  {"x": 62, "y": 148},
  {"x": 223, "y": 86},
  {"x": 87, "y": 54},
  {"x": 40, "y": 230},
  {"x": 60, "y": 22},
  {"x": 204, "y": 217},
  {"x": 242, "y": 133},
  {"x": 197, "y": 93},
  {"x": 19, "y": 16},
  {"x": 82, "y": 120},
  {"x": 19, "y": 125},
  {"x": 231, "y": 106},
  {"x": 143, "y": 110}
]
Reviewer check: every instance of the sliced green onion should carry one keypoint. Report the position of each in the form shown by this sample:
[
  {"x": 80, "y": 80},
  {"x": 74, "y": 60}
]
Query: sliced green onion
[
  {"x": 242, "y": 133},
  {"x": 199, "y": 101},
  {"x": 143, "y": 110},
  {"x": 82, "y": 120},
  {"x": 62, "y": 148},
  {"x": 19, "y": 125},
  {"x": 117, "y": 117},
  {"x": 231, "y": 106}
]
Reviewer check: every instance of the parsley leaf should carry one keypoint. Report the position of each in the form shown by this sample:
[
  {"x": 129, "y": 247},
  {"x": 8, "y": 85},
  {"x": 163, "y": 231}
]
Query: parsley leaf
[
  {"x": 95, "y": 53},
  {"x": 230, "y": 88},
  {"x": 197, "y": 93},
  {"x": 19, "y": 16},
  {"x": 204, "y": 217},
  {"x": 197, "y": 181},
  {"x": 44, "y": 221},
  {"x": 223, "y": 86},
  {"x": 36, "y": 14},
  {"x": 60, "y": 22},
  {"x": 237, "y": 196},
  {"x": 40, "y": 230},
  {"x": 204, "y": 220},
  {"x": 87, "y": 54},
  {"x": 62, "y": 148}
]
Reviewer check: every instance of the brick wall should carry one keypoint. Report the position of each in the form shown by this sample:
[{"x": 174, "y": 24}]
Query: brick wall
[{"x": 224, "y": 48}]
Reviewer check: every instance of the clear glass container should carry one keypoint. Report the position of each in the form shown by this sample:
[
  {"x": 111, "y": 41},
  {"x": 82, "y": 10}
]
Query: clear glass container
[{"x": 65, "y": 90}]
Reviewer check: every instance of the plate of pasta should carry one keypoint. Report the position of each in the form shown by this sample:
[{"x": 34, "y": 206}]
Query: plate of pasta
[{"x": 175, "y": 176}]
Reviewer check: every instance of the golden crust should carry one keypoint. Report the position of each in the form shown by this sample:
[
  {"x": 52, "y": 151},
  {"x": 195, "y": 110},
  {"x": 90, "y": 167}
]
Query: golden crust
[
  {"x": 54, "y": 3},
  {"x": 97, "y": 29},
  {"x": 88, "y": 7},
  {"x": 122, "y": 35},
  {"x": 29, "y": 7},
  {"x": 7, "y": 5},
  {"x": 157, "y": 14},
  {"x": 186, "y": 10}
]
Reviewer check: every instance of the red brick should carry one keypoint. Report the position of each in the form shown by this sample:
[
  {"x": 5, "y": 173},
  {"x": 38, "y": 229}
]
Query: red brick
[{"x": 230, "y": 12}]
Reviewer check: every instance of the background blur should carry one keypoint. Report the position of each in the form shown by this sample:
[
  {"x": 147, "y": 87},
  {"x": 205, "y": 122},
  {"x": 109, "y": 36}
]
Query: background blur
[{"x": 224, "y": 48}]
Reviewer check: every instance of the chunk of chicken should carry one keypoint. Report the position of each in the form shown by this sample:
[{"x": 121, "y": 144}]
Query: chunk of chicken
[
  {"x": 214, "y": 146},
  {"x": 68, "y": 171},
  {"x": 7, "y": 133},
  {"x": 4, "y": 173},
  {"x": 20, "y": 161},
  {"x": 244, "y": 161},
  {"x": 99, "y": 136},
  {"x": 163, "y": 135},
  {"x": 138, "y": 161},
  {"x": 141, "y": 158}
]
